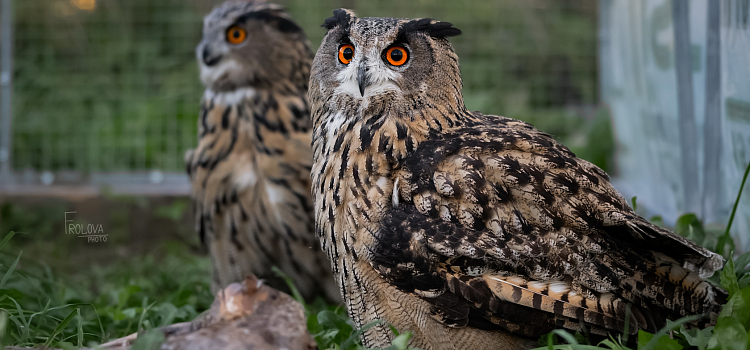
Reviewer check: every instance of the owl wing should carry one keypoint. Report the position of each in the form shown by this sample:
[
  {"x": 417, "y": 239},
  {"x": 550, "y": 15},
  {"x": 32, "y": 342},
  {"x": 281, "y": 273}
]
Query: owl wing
[{"x": 498, "y": 225}]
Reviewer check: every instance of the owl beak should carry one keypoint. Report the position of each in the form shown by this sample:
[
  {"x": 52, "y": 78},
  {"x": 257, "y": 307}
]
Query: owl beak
[
  {"x": 362, "y": 78},
  {"x": 208, "y": 56}
]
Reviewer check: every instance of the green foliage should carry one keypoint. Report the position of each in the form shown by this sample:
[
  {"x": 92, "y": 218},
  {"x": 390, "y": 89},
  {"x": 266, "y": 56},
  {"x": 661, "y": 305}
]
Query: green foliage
[
  {"x": 108, "y": 302},
  {"x": 115, "y": 88}
]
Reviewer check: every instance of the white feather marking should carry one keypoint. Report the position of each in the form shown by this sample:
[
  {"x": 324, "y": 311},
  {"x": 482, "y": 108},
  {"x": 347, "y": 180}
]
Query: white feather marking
[
  {"x": 246, "y": 179},
  {"x": 211, "y": 74},
  {"x": 275, "y": 195},
  {"x": 395, "y": 193},
  {"x": 536, "y": 285},
  {"x": 513, "y": 279},
  {"x": 334, "y": 124},
  {"x": 382, "y": 182},
  {"x": 558, "y": 287},
  {"x": 229, "y": 98},
  {"x": 445, "y": 213}
]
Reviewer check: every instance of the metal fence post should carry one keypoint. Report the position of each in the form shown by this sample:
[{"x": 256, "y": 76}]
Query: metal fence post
[
  {"x": 712, "y": 195},
  {"x": 686, "y": 109},
  {"x": 6, "y": 88}
]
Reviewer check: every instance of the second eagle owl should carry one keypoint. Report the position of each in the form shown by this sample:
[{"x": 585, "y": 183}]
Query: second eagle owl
[
  {"x": 473, "y": 231},
  {"x": 250, "y": 173}
]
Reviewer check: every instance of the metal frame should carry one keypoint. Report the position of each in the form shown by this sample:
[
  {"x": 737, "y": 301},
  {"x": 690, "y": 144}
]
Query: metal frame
[{"x": 6, "y": 90}]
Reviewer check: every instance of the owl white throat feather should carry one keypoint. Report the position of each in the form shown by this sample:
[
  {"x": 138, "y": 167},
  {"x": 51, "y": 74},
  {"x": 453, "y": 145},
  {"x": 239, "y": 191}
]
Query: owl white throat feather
[{"x": 473, "y": 231}]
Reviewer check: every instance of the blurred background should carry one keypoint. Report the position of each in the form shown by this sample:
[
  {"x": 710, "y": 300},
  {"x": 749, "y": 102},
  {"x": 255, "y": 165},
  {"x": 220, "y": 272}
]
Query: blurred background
[
  {"x": 99, "y": 102},
  {"x": 105, "y": 100}
]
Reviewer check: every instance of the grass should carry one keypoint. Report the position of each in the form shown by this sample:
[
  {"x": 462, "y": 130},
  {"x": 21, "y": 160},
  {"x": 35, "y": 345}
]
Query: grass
[
  {"x": 101, "y": 303},
  {"x": 80, "y": 302},
  {"x": 40, "y": 306}
]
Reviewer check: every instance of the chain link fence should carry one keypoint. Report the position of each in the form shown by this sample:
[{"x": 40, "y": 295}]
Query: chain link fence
[{"x": 105, "y": 87}]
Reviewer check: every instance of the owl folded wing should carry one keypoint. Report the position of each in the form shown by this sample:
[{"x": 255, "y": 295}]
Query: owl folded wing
[{"x": 498, "y": 225}]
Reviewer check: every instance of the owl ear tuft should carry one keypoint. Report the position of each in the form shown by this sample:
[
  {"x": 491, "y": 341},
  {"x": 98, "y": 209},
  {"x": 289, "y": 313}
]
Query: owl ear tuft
[
  {"x": 435, "y": 29},
  {"x": 341, "y": 17}
]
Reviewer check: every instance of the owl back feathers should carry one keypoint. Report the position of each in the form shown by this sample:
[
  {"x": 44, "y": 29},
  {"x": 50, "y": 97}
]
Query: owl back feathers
[{"x": 504, "y": 217}]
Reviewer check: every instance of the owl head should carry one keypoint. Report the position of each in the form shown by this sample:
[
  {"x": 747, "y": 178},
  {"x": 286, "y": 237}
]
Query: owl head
[
  {"x": 399, "y": 63},
  {"x": 252, "y": 44}
]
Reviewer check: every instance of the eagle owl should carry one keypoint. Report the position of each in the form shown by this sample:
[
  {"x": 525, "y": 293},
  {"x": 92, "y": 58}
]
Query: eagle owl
[
  {"x": 250, "y": 173},
  {"x": 473, "y": 231}
]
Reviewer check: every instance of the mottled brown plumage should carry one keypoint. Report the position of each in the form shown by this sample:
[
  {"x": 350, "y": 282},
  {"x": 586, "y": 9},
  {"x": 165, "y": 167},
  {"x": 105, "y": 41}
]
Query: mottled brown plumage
[
  {"x": 473, "y": 231},
  {"x": 250, "y": 172}
]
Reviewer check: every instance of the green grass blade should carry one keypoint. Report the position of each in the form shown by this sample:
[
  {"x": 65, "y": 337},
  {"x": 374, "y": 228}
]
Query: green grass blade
[
  {"x": 60, "y": 327},
  {"x": 80, "y": 327},
  {"x": 19, "y": 326},
  {"x": 628, "y": 313},
  {"x": 143, "y": 315},
  {"x": 41, "y": 315},
  {"x": 26, "y": 323},
  {"x": 6, "y": 239},
  {"x": 10, "y": 271},
  {"x": 101, "y": 326},
  {"x": 3, "y": 327},
  {"x": 295, "y": 292},
  {"x": 723, "y": 241}
]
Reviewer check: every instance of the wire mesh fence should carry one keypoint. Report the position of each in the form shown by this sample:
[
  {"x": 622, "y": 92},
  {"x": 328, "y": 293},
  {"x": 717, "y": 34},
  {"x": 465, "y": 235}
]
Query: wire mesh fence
[{"x": 112, "y": 85}]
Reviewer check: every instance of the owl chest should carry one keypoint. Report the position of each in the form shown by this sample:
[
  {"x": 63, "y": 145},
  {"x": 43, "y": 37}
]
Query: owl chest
[{"x": 350, "y": 202}]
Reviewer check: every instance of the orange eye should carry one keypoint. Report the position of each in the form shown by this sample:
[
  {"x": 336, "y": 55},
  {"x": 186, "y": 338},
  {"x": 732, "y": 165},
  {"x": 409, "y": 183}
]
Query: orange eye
[
  {"x": 346, "y": 53},
  {"x": 397, "y": 55},
  {"x": 236, "y": 35}
]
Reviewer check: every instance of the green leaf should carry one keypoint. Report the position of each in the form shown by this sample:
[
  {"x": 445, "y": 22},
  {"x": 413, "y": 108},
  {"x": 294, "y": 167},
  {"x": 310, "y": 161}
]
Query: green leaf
[
  {"x": 729, "y": 334},
  {"x": 355, "y": 336},
  {"x": 658, "y": 221},
  {"x": 697, "y": 337},
  {"x": 738, "y": 307},
  {"x": 332, "y": 320},
  {"x": 744, "y": 282},
  {"x": 724, "y": 245},
  {"x": 634, "y": 203},
  {"x": 337, "y": 328},
  {"x": 128, "y": 313},
  {"x": 689, "y": 226},
  {"x": 401, "y": 342},
  {"x": 149, "y": 340},
  {"x": 741, "y": 264},
  {"x": 729, "y": 278},
  {"x": 646, "y": 341},
  {"x": 124, "y": 295}
]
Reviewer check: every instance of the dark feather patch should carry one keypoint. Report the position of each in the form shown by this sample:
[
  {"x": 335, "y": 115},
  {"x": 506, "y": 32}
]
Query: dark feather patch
[
  {"x": 340, "y": 18},
  {"x": 274, "y": 18},
  {"x": 438, "y": 29}
]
